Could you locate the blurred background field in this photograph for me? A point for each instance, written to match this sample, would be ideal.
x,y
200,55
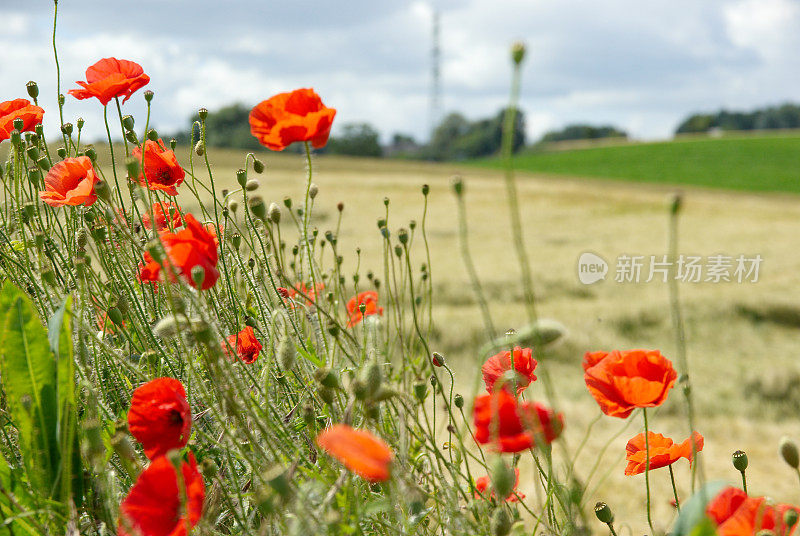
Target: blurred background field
x,y
742,337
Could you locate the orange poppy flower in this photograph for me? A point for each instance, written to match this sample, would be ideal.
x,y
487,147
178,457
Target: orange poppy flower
x,y
187,248
358,450
161,169
18,108
70,182
590,359
482,484
301,289
160,417
370,300
289,117
246,345
154,507
624,381
497,365
109,78
513,426
736,514
663,451
165,215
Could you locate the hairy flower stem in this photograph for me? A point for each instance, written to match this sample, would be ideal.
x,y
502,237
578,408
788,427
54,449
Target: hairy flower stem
x,y
647,469
674,489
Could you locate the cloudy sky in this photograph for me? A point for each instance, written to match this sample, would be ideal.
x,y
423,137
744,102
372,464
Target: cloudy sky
x,y
639,65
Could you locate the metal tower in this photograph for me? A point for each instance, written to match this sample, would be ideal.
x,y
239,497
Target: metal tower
x,y
435,96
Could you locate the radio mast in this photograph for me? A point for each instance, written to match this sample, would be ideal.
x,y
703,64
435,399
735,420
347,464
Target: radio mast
x,y
435,96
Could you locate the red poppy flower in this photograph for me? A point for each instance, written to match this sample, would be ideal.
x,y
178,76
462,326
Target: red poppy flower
x,y
358,450
624,381
246,344
187,248
482,484
153,506
161,169
663,451
18,108
514,426
165,215
160,417
497,365
294,294
370,300
70,182
109,78
590,359
737,514
289,117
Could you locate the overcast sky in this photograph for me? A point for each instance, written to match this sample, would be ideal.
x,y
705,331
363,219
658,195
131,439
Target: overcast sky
x,y
642,66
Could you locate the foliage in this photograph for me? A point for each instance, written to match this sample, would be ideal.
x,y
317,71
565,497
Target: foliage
x,y
583,132
770,118
355,139
457,138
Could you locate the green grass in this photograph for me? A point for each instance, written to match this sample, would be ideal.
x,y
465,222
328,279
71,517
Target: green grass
x,y
765,163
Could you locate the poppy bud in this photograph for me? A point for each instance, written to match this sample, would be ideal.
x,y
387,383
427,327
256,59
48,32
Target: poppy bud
x,y
327,378
420,391
333,329
33,89
437,359
501,522
788,450
173,143
132,165
256,205
287,202
287,354
32,152
241,177
167,328
258,166
208,467
49,277
80,122
458,400
236,240
66,128
148,95
115,316
373,377
790,519
123,447
252,185
458,185
740,460
398,251
308,414
16,137
128,122
152,135
198,276
327,395
604,513
518,52
503,478
274,213
103,191
91,153
200,148
313,190
359,389
425,189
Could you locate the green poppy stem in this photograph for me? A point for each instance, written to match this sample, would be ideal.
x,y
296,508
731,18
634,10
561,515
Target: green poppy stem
x,y
647,469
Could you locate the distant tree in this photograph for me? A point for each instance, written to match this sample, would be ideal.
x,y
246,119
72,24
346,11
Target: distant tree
x,y
457,138
784,116
226,127
402,146
355,139
583,132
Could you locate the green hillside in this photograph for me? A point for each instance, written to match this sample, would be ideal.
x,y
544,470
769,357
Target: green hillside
x,y
757,163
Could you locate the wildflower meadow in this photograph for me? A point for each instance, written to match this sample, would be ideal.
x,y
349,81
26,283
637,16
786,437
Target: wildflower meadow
x,y
239,369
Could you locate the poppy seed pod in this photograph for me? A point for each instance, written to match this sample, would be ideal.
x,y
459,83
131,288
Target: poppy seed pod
x,y
790,519
91,153
425,189
61,152
313,190
148,96
32,152
740,460
80,122
252,185
19,124
402,236
66,128
256,206
604,513
287,202
258,166
198,276
458,185
274,213
788,451
16,138
33,89
202,113
458,400
173,143
233,205
241,177
503,477
152,134
128,122
518,52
